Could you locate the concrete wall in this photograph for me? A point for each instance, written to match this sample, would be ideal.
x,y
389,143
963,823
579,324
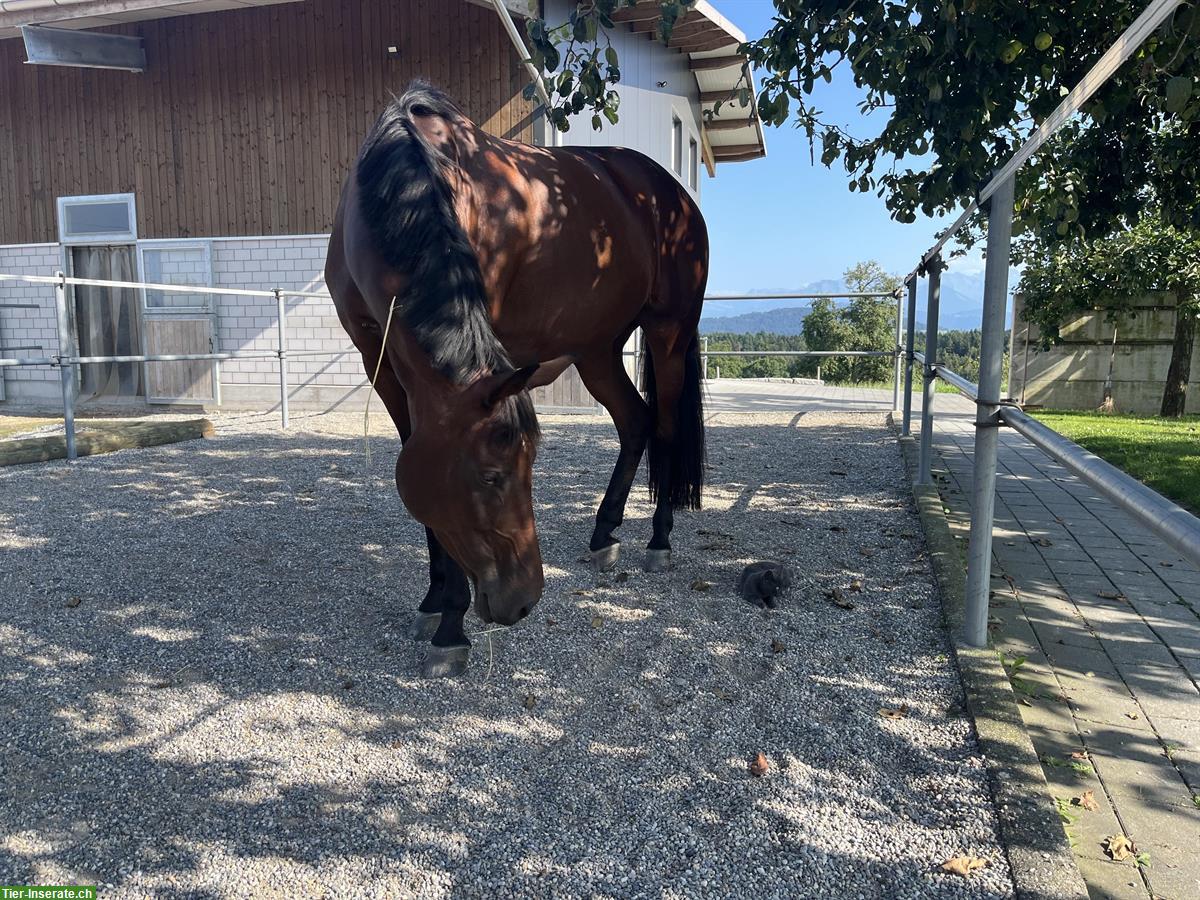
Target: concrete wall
x,y
1071,375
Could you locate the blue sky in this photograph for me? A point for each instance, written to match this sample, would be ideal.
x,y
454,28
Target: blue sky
x,y
784,221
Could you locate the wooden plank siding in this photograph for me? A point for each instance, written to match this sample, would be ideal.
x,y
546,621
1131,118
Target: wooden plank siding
x,y
246,122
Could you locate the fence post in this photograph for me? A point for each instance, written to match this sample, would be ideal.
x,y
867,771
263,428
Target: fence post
x,y
66,347
906,427
281,313
934,270
704,358
898,350
987,421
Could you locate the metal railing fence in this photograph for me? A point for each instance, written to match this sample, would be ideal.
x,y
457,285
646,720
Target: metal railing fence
x,y
1166,519
68,361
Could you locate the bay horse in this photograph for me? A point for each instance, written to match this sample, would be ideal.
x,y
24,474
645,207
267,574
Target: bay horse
x,y
467,269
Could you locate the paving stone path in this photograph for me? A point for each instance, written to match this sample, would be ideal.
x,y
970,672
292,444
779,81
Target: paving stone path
x,y
1099,621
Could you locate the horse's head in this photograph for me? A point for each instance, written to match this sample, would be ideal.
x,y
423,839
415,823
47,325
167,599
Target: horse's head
x,y
467,473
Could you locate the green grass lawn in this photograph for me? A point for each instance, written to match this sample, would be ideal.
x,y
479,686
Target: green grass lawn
x,y
1163,453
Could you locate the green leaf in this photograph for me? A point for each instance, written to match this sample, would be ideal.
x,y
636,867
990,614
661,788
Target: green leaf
x,y
1043,41
596,123
1179,91
610,55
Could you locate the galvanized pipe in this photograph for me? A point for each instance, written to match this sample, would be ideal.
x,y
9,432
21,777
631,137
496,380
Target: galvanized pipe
x,y
827,295
799,353
928,363
1174,524
906,426
898,350
66,347
967,388
281,313
987,435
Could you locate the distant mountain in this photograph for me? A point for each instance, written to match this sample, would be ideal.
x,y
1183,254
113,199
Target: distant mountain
x,y
773,321
961,307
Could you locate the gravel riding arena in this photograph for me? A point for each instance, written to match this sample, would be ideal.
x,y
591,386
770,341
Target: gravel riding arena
x,y
206,689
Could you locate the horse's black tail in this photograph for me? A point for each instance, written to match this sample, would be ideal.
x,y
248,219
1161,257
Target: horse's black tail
x,y
677,465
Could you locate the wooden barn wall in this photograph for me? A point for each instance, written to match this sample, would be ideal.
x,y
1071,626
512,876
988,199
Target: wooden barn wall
x,y
245,122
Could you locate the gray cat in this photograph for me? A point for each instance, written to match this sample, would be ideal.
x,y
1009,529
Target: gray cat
x,y
761,582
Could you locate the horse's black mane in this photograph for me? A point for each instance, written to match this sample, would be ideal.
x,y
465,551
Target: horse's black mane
x,y
408,204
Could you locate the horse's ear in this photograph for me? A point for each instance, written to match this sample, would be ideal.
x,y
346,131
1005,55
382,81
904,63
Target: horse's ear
x,y
501,385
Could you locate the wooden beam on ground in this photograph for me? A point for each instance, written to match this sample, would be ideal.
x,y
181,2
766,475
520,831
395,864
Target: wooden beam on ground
x,y
103,437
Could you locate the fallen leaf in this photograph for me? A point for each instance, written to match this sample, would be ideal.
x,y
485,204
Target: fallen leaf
x,y
597,622
551,621
899,712
777,646
621,576
1079,754
1167,565
964,865
530,701
836,528
837,472
700,585
867,551
839,599
348,684
856,585
759,766
580,592
1087,800
1044,542
1132,716
1119,847
74,602
1110,595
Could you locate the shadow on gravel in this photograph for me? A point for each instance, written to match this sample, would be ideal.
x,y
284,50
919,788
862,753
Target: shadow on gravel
x,y
205,687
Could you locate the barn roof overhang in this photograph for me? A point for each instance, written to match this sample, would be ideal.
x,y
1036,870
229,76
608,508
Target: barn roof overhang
x,y
734,132
79,14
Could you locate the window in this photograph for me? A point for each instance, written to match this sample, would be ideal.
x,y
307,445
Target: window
x,y
179,263
677,145
99,219
693,164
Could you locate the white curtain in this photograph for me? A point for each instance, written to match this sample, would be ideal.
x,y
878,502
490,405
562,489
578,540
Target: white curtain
x,y
107,322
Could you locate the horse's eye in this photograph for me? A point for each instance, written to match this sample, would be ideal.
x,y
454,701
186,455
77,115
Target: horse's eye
x,y
491,478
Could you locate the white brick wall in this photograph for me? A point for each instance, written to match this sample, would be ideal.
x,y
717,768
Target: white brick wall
x,y
23,327
248,323
243,323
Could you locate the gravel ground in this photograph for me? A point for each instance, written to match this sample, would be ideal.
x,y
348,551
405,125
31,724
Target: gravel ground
x,y
206,690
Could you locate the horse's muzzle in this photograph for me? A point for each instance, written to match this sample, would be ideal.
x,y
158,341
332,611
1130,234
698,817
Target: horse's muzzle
x,y
494,603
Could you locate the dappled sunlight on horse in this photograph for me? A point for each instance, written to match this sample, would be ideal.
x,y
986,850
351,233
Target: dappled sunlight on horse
x,y
467,268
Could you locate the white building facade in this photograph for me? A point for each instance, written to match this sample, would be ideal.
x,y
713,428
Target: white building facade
x,y
661,114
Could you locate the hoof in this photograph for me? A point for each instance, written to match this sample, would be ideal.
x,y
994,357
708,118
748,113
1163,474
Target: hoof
x,y
445,662
424,625
606,558
657,561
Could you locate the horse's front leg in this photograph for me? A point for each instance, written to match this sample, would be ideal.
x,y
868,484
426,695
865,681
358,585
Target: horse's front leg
x,y
440,615
609,383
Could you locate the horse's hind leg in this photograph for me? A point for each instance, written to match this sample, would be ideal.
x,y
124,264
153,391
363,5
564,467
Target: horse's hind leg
x,y
605,377
677,440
